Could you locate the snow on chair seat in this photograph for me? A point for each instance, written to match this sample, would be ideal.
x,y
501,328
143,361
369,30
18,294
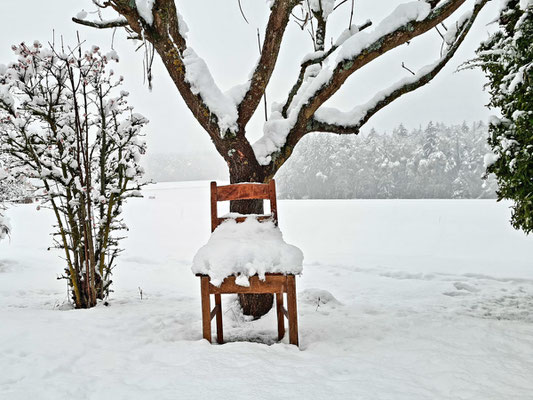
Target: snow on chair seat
x,y
244,250
247,254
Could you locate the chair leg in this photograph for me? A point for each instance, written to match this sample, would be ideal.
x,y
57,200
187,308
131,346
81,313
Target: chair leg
x,y
281,317
292,310
218,303
206,308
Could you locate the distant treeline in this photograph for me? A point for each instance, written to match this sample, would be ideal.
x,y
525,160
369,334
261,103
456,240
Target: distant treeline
x,y
438,161
172,167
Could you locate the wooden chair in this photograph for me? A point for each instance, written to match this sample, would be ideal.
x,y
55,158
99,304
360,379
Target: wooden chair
x,y
277,284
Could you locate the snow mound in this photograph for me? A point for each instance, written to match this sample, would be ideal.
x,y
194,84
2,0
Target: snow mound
x,y
318,297
246,249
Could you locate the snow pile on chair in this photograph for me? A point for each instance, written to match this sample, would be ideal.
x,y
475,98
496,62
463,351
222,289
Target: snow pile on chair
x,y
246,249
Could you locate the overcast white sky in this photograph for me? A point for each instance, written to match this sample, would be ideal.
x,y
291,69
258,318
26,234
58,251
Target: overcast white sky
x,y
219,34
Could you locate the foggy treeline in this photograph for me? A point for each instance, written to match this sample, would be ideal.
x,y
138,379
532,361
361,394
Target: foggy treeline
x,y
170,167
435,161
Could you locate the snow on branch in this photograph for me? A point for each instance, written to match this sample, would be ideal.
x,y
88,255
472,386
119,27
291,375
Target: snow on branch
x,y
333,120
317,57
201,81
112,23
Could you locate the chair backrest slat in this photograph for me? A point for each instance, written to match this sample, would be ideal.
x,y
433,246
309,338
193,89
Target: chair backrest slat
x,y
243,191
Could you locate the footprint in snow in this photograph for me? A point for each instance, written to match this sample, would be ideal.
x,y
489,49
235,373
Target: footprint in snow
x,y
456,294
465,286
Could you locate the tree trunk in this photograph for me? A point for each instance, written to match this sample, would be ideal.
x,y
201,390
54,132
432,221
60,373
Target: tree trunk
x,y
255,305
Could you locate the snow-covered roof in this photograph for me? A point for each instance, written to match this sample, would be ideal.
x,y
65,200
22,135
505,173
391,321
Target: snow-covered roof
x,y
246,249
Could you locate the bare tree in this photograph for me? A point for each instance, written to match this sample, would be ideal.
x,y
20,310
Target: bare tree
x,y
225,117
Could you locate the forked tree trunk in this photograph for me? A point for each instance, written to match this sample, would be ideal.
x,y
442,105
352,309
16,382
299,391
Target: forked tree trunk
x,y
255,305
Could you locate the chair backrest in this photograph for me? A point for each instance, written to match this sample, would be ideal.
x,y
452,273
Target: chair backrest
x,y
243,191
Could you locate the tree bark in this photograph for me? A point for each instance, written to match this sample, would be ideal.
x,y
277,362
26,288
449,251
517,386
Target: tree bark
x,y
255,305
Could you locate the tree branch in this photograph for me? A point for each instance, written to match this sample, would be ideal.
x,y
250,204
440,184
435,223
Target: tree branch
x,y
117,23
320,57
277,24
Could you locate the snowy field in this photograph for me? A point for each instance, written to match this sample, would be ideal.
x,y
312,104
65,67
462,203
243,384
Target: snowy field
x,y
399,299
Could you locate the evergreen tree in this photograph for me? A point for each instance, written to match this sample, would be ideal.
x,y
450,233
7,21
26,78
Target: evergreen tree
x,y
400,131
507,59
430,143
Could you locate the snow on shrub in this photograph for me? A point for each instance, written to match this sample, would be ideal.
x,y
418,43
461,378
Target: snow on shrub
x,y
67,125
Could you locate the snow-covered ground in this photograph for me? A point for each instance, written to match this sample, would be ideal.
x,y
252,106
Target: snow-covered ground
x,y
399,299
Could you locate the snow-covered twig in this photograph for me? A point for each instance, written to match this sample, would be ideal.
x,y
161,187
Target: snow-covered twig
x,y
113,23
